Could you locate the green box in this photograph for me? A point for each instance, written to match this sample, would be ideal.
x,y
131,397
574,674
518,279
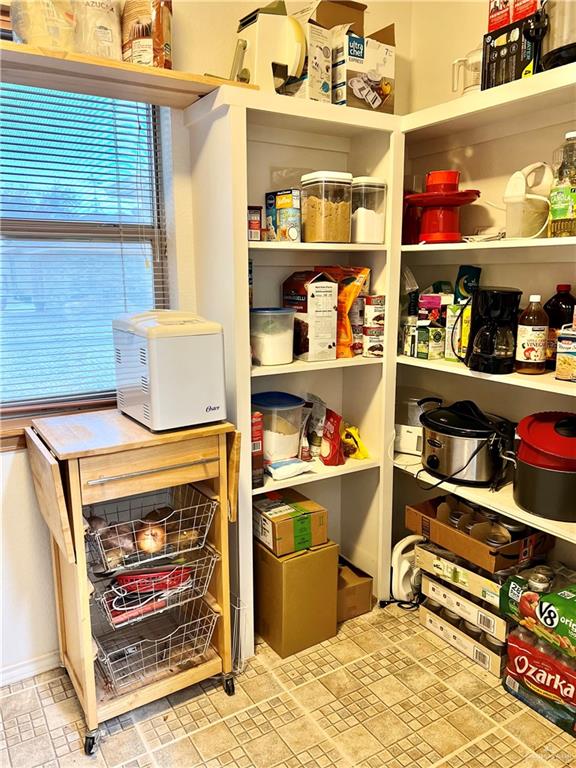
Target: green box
x,y
430,343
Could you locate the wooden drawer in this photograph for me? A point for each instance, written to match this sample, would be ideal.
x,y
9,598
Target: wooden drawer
x,y
128,473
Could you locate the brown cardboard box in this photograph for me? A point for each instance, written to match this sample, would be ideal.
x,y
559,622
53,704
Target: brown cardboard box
x,y
429,558
490,661
429,519
287,521
331,14
354,591
295,597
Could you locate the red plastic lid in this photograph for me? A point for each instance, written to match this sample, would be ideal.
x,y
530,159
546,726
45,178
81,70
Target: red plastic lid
x,y
443,199
563,288
552,433
445,178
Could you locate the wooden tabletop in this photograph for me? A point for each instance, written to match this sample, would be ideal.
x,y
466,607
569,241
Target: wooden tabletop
x,y
97,432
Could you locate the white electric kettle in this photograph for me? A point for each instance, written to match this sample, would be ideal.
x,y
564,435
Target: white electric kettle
x,y
471,66
526,198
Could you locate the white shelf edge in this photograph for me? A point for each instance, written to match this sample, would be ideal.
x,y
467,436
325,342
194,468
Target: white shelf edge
x,y
301,366
319,473
504,244
502,501
543,383
264,245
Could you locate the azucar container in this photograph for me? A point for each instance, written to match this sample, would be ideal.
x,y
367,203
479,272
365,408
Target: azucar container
x,y
368,209
282,416
272,335
326,207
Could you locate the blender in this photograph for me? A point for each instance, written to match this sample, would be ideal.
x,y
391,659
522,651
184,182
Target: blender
x,y
493,326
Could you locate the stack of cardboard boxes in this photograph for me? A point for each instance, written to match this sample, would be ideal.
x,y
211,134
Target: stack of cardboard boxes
x,y
301,591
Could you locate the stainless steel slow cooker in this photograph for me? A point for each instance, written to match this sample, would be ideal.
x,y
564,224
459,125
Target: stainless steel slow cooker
x,y
464,444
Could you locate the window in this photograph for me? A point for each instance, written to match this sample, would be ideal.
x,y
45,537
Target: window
x,y
83,239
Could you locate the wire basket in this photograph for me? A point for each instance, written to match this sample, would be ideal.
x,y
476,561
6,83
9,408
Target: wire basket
x,y
137,594
130,532
172,641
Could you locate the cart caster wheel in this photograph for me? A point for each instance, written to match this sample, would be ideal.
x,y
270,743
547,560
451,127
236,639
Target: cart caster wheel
x,y
91,742
228,684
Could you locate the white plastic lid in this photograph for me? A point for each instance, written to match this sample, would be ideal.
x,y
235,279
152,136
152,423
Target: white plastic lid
x,y
371,181
343,178
165,322
535,297
570,135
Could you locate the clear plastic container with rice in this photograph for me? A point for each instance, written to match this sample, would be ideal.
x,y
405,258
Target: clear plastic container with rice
x,y
368,209
272,335
282,416
326,207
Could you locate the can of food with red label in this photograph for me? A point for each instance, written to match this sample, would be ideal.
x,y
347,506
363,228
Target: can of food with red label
x,y
254,223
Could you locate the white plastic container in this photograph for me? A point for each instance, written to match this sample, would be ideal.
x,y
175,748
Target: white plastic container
x,y
272,335
326,203
368,209
282,416
169,369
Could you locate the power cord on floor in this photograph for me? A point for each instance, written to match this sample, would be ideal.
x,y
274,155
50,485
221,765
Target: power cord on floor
x,y
406,605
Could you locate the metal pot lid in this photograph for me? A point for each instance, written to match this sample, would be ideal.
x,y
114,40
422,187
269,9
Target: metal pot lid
x,y
551,432
461,419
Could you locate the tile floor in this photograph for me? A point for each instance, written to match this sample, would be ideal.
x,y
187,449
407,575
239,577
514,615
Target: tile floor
x,y
384,692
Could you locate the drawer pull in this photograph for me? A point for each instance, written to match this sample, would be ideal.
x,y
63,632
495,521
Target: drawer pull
x,y
127,475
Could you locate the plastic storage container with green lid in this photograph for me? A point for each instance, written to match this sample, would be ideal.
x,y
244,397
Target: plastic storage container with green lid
x,y
326,207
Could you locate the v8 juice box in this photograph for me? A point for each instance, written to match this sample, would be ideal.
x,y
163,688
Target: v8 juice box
x,y
541,678
551,616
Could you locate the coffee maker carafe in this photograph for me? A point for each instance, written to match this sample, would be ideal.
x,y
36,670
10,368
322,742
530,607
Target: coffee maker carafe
x,y
493,325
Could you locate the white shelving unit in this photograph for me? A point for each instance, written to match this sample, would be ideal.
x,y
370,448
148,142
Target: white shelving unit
x,y
318,472
300,366
335,248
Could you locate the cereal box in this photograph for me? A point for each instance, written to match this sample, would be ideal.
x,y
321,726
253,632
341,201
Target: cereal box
x,y
283,219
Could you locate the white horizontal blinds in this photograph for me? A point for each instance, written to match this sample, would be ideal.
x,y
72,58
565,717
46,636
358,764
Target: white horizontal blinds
x,y
83,238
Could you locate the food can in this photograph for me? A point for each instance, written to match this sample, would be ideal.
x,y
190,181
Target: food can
x,y
451,617
539,582
433,606
471,630
493,644
496,540
566,354
254,223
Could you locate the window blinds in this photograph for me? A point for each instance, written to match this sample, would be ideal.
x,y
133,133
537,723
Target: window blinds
x,y
83,239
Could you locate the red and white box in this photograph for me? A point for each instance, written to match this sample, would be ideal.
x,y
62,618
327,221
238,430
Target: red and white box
x,y
257,450
523,8
499,14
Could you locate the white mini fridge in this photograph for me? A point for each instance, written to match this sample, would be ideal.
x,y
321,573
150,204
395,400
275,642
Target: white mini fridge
x,y
169,369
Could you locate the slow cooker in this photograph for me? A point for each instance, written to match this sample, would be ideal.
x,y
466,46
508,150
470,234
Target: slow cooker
x,y
545,474
462,443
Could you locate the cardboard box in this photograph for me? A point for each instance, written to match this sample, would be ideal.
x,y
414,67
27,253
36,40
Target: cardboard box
x,y
296,597
363,69
453,332
476,614
430,559
373,329
430,343
499,14
315,82
430,519
551,616
283,215
523,8
507,55
481,655
331,14
257,450
287,521
314,296
354,591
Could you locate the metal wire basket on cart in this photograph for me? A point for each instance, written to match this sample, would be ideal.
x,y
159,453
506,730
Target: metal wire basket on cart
x,y
138,654
138,529
139,593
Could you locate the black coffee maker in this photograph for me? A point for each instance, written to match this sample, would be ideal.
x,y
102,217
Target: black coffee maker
x,y
493,325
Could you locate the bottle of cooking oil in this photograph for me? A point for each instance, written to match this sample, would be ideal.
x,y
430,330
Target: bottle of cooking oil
x,y
562,221
532,338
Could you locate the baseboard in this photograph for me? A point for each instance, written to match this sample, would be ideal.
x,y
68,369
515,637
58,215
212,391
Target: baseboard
x,y
17,672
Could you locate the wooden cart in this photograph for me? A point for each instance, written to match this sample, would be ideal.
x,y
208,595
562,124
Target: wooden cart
x,y
88,459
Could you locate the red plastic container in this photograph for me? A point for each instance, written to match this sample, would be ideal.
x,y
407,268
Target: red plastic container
x,y
442,181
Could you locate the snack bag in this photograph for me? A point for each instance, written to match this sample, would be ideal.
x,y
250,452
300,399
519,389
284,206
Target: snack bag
x,y
315,424
353,446
351,281
331,450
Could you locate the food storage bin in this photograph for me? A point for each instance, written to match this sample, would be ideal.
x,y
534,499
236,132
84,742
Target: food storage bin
x,y
272,335
282,415
326,205
368,209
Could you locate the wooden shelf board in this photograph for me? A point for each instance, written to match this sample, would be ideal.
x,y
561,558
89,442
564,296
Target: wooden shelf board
x,y
502,501
318,472
335,247
301,366
62,71
544,92
543,383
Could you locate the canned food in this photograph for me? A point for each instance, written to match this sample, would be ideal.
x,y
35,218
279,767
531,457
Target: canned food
x,y
539,582
471,630
496,540
515,529
451,617
432,605
469,525
493,644
490,515
454,517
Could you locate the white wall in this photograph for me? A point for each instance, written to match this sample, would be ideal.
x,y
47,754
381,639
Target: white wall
x,y
29,636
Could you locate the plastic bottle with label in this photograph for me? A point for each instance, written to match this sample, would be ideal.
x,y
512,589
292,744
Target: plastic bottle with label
x,y
532,338
562,221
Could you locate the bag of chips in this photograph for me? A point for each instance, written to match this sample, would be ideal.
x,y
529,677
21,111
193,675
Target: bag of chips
x,y
351,282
